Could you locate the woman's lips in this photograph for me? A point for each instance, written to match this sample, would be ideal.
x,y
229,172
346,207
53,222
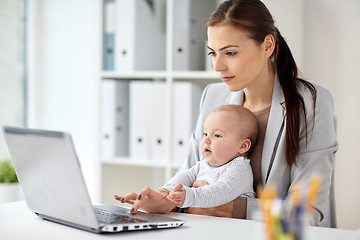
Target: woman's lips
x,y
227,79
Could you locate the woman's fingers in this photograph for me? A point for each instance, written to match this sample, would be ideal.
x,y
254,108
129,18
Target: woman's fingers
x,y
129,198
146,192
148,200
141,199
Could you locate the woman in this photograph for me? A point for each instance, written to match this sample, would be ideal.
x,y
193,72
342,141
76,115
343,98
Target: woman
x,y
297,136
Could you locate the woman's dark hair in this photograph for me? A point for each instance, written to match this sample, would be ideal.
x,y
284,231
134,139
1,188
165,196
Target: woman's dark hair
x,y
253,17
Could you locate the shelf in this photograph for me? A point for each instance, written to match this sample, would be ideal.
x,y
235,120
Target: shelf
x,y
161,74
134,75
131,162
195,75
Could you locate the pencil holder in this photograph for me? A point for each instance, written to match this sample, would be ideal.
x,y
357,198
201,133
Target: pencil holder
x,y
289,219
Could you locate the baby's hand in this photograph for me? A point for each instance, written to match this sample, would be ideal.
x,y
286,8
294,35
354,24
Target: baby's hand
x,y
177,196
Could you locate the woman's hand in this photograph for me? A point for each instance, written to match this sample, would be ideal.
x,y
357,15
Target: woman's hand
x,y
220,211
225,210
148,200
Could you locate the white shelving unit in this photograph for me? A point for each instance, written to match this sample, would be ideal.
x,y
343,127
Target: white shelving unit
x,y
121,175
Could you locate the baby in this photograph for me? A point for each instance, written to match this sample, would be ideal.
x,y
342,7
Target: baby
x,y
230,133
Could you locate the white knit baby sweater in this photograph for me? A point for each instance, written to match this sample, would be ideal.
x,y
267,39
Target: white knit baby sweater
x,y
226,183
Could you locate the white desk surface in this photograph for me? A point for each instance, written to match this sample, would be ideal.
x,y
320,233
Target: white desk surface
x,y
18,222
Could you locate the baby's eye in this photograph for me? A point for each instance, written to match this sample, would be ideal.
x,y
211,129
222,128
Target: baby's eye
x,y
217,135
231,53
204,134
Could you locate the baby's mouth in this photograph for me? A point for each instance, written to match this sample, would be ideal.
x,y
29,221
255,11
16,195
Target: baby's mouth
x,y
207,150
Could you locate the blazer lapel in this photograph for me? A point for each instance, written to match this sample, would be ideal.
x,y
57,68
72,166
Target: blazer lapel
x,y
275,128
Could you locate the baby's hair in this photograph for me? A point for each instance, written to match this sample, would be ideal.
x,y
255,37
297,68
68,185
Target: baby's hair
x,y
247,120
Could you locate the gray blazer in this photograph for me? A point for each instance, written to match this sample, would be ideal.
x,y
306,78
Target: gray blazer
x,y
316,153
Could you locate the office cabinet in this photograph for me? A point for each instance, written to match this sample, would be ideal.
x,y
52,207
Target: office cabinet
x,y
158,48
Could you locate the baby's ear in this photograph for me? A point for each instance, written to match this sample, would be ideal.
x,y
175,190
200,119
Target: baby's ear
x,y
245,146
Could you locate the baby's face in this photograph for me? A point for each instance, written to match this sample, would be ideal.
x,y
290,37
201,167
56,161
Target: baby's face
x,y
221,142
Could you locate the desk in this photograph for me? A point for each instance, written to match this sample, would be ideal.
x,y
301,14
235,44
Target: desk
x,y
18,222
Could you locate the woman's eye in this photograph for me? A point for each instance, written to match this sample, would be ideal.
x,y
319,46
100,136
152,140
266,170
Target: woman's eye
x,y
231,53
211,53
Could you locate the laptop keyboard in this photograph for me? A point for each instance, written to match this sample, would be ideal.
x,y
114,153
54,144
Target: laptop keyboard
x,y
108,217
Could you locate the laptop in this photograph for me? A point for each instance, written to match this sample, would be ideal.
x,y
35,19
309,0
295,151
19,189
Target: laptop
x,y
54,188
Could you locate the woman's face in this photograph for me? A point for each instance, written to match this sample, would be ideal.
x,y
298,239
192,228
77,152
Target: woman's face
x,y
239,60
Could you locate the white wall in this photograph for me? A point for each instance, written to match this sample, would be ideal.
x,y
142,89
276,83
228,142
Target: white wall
x,y
11,66
64,66
289,19
332,51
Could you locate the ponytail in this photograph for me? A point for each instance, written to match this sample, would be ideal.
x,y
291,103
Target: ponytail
x,y
294,102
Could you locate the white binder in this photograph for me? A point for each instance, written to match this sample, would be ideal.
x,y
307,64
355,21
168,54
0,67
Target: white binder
x,y
140,123
186,100
139,38
109,35
159,143
124,35
190,18
115,122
